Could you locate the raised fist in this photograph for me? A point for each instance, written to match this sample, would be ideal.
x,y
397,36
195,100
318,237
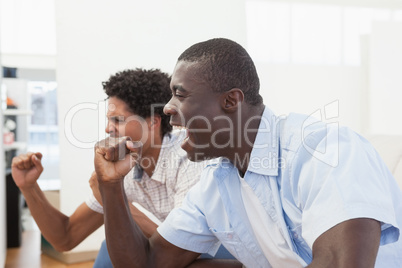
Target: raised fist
x,y
26,169
115,157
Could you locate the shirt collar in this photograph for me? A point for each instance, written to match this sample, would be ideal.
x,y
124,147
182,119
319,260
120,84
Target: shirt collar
x,y
265,152
138,173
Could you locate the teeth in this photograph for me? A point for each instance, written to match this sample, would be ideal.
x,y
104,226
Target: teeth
x,y
186,138
179,127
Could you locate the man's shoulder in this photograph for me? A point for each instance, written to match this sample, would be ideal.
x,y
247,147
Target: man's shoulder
x,y
298,129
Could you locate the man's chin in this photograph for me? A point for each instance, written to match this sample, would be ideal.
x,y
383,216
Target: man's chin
x,y
198,156
193,157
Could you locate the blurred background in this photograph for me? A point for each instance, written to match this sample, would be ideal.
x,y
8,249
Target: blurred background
x,y
335,59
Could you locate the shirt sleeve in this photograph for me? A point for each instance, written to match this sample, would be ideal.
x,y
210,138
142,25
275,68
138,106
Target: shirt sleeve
x,y
342,177
187,228
93,204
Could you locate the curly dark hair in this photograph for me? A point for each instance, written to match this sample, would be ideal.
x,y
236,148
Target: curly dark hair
x,y
144,91
226,65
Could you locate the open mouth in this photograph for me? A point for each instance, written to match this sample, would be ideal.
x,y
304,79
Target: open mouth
x,y
186,134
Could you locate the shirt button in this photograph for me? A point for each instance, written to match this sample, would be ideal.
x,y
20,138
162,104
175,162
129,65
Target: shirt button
x,y
229,236
295,235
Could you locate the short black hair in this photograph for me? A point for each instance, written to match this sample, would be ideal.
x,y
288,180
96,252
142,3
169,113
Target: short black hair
x,y
225,65
142,91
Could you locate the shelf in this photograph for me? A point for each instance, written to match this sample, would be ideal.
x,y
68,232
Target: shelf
x,y
17,112
15,146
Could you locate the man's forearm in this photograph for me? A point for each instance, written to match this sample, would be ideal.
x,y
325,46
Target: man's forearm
x,y
147,226
127,245
51,222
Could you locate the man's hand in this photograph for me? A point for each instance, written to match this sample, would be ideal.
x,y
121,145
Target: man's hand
x,y
115,157
26,169
93,183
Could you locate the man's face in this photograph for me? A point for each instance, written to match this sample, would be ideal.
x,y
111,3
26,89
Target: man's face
x,y
197,108
122,122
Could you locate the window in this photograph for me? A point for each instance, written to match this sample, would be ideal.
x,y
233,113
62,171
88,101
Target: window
x,y
43,130
301,33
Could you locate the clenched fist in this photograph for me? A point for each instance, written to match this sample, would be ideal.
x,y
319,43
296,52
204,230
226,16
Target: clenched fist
x,y
26,169
115,157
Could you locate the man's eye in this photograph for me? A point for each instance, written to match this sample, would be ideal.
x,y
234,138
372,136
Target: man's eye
x,y
179,94
117,120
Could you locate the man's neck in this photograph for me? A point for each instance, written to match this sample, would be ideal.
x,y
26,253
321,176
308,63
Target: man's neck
x,y
241,156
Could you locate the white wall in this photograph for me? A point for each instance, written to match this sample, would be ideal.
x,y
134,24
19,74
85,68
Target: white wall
x,y
97,38
3,227
3,236
385,78
312,90
28,34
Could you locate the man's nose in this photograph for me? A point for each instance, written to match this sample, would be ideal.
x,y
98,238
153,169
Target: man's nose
x,y
109,128
170,109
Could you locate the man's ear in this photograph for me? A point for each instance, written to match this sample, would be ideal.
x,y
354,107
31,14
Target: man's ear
x,y
154,122
232,99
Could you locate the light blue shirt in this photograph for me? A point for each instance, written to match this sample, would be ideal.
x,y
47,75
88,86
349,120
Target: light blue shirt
x,y
309,176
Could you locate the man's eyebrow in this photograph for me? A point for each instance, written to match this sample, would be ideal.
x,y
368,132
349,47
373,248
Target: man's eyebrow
x,y
116,117
179,88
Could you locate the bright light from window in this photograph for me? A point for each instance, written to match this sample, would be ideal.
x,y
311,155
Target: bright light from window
x,y
356,22
269,31
28,27
300,33
397,15
381,14
316,34
43,128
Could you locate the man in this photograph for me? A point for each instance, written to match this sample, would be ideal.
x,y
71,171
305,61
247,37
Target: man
x,y
159,183
283,192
